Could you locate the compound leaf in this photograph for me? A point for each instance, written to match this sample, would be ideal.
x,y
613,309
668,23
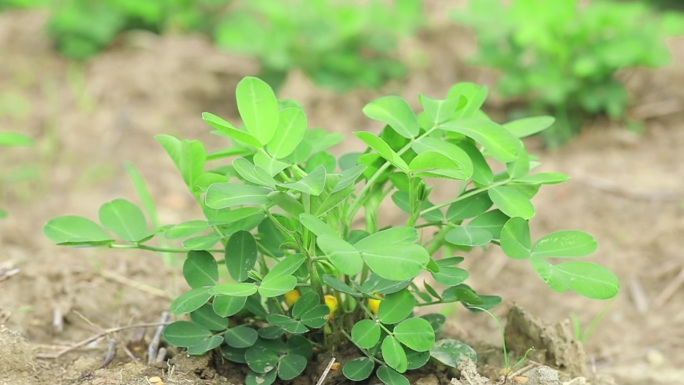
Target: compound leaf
x,y
396,307
190,301
366,333
384,149
416,333
241,337
290,132
564,244
511,202
200,269
291,366
224,195
393,354
358,369
450,352
389,376
125,219
515,239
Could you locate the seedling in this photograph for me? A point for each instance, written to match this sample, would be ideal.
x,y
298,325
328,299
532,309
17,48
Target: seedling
x,y
280,214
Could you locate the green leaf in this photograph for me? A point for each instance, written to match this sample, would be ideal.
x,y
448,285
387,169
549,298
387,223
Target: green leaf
x,y
438,111
450,352
358,369
205,345
366,333
482,173
416,360
544,178
436,320
280,279
462,293
203,242
317,226
299,345
286,202
474,94
290,132
254,378
268,163
76,230
395,112
190,301
469,207
189,156
207,317
228,129
389,376
397,234
382,148
345,257
124,219
450,150
317,317
450,276
306,302
291,366
186,229
240,255
511,201
226,217
226,306
244,289
349,177
260,359
515,239
253,174
529,126
324,159
258,108
432,164
590,280
395,262
271,332
492,221
200,269
521,166
498,142
241,337
393,354
416,333
585,278
312,184
468,236
286,323
233,355
396,307
338,285
184,333
224,195
14,139
564,244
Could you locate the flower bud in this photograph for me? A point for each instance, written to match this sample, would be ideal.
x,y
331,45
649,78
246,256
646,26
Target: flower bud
x,y
292,296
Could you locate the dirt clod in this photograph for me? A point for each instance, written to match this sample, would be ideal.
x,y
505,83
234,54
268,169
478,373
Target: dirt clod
x,y
542,375
553,344
16,359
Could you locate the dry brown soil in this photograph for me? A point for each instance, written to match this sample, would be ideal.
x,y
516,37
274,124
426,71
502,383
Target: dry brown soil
x,y
627,191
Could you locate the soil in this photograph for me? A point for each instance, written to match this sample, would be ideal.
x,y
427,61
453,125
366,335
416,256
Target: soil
x,y
88,120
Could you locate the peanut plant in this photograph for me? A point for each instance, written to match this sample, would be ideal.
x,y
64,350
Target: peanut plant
x,y
278,269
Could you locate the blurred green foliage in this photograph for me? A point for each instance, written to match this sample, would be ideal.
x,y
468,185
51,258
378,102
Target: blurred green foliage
x,y
338,44
561,58
82,28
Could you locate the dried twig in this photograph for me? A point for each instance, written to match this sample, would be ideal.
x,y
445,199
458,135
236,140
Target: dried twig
x,y
671,288
93,338
614,188
57,318
111,354
638,295
134,284
326,371
152,349
161,355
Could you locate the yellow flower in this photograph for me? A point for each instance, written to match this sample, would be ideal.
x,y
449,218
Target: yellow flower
x,y
374,304
331,301
291,297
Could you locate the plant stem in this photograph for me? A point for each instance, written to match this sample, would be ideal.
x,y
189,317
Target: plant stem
x,y
159,249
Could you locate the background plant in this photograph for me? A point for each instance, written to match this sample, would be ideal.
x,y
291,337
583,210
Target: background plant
x,y
82,28
562,59
12,139
296,275
338,44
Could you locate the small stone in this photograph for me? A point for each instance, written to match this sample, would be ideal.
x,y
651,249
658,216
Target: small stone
x,y
428,380
655,358
542,375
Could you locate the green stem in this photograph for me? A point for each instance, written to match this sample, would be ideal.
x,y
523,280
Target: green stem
x,y
159,249
464,196
356,206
